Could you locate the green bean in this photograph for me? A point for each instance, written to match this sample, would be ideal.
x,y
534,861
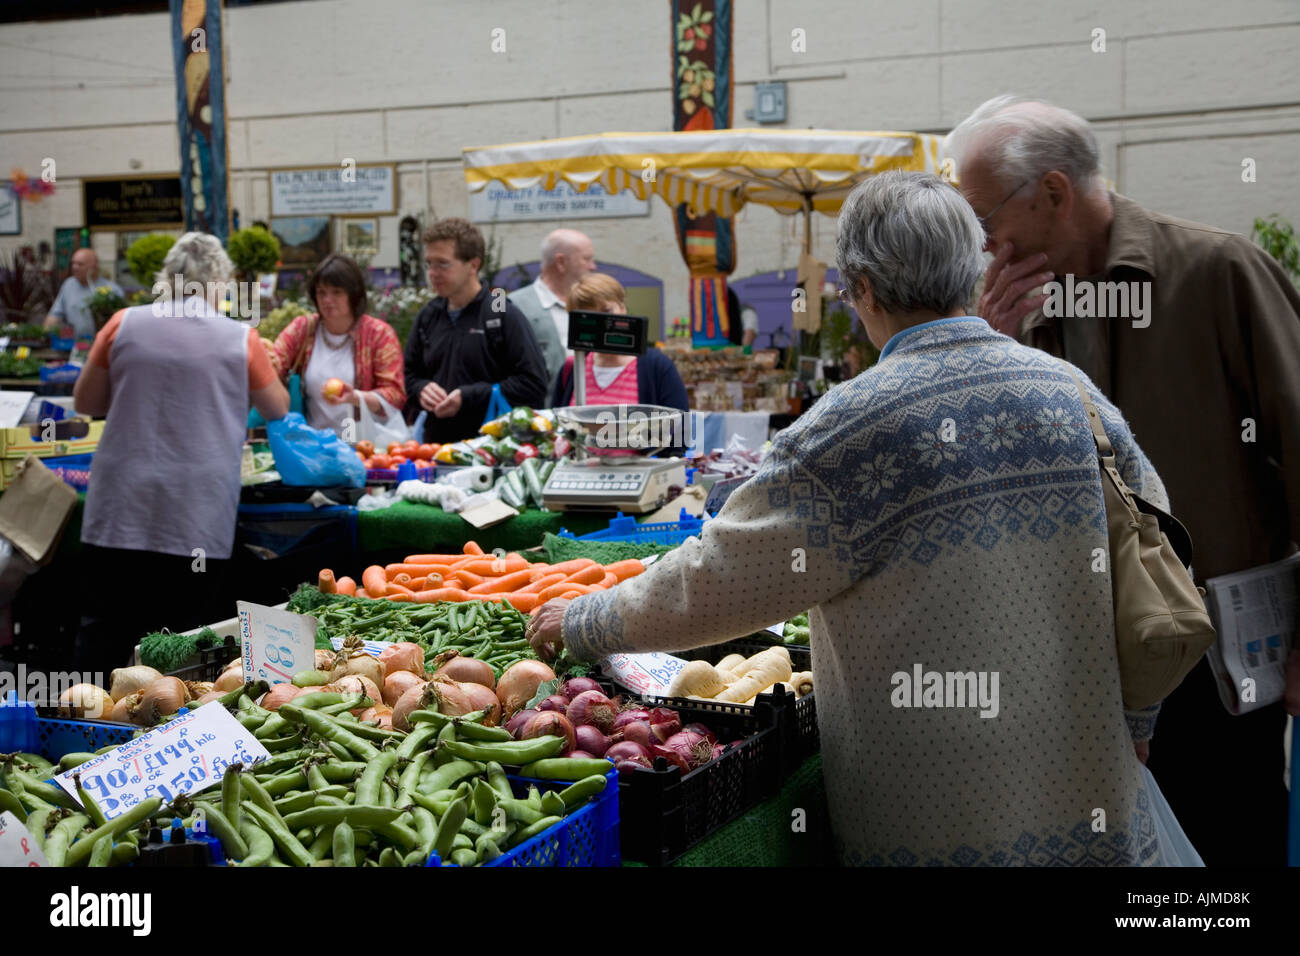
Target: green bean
x,y
528,832
230,793
513,753
73,760
11,803
390,857
579,793
261,848
321,846
411,778
496,778
343,847
329,729
257,793
56,848
567,768
368,785
141,811
484,802
124,852
448,774
473,731
464,857
416,741
279,832
225,830
449,826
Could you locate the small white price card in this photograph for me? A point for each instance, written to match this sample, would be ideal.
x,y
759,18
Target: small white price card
x,y
189,754
778,629
373,648
644,673
17,846
277,643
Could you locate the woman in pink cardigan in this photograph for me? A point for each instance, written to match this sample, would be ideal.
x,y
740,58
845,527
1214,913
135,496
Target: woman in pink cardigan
x,y
342,342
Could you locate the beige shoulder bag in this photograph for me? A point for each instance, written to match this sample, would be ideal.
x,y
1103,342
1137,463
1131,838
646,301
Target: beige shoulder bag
x,y
1161,625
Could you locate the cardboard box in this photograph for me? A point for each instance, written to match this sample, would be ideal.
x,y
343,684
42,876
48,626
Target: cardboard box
x,y
72,436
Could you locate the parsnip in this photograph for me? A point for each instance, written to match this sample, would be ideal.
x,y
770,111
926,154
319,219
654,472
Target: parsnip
x,y
770,690
697,678
802,683
727,667
767,668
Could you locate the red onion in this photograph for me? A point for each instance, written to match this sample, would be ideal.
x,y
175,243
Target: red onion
x,y
673,757
694,749
634,713
581,755
717,750
630,764
591,740
555,702
702,731
578,685
550,724
640,732
664,722
519,721
593,707
627,750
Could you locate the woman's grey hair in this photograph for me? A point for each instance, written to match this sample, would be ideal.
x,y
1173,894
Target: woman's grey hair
x,y
1022,139
914,238
196,257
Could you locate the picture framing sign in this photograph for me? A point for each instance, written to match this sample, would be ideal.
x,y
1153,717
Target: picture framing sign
x,y
369,190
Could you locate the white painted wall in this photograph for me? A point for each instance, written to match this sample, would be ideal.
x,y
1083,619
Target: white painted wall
x,y
1184,91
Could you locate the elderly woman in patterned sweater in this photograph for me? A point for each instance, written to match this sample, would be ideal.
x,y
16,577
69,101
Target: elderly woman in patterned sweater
x,y
341,342
939,514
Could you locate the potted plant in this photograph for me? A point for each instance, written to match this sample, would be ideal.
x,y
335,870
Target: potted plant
x,y
253,251
145,256
103,304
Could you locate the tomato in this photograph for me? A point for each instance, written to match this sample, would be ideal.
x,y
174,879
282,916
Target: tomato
x,y
424,453
379,461
397,460
394,448
367,463
365,448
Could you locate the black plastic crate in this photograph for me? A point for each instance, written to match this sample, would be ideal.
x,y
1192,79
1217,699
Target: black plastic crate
x,y
664,813
212,661
801,733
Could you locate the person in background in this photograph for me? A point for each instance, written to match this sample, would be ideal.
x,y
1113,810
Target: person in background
x,y
913,560
69,306
466,340
743,326
175,385
567,256
1217,348
342,342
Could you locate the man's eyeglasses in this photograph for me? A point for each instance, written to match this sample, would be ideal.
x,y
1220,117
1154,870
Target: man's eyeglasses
x,y
440,265
988,217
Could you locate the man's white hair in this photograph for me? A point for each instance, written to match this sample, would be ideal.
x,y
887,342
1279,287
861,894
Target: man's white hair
x,y
560,241
196,257
1023,139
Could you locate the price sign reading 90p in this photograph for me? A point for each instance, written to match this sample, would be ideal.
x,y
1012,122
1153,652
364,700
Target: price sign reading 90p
x,y
187,755
277,644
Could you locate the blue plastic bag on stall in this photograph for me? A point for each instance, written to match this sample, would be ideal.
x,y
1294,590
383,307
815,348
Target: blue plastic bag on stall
x,y
497,405
255,419
314,457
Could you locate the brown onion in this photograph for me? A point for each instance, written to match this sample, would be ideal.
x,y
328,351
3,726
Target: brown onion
x,y
279,694
323,660
380,714
197,688
125,681
518,685
209,696
356,684
162,698
550,723
465,670
232,678
86,700
403,656
456,699
122,709
398,683
411,700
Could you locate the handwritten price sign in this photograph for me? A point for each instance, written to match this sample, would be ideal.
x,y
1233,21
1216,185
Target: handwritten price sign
x,y
373,648
185,756
17,846
649,674
277,644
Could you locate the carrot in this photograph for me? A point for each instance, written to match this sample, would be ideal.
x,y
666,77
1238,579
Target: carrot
x,y
471,547
570,595
401,598
495,567
415,570
467,578
561,589
522,602
325,582
572,567
503,584
591,574
362,593
539,571
417,584
442,594
611,579
432,558
625,569
375,580
541,584
347,586
402,578
394,590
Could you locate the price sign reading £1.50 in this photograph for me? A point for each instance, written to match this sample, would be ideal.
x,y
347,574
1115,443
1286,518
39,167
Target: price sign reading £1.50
x,y
277,644
189,754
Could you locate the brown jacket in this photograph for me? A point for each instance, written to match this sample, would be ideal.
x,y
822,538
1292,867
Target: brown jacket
x,y
1222,347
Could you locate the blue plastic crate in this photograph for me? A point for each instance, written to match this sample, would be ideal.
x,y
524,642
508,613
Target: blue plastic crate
x,y
21,729
72,469
587,837
62,344
625,528
60,374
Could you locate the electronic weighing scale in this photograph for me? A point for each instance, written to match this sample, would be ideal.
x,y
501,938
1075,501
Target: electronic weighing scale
x,y
597,480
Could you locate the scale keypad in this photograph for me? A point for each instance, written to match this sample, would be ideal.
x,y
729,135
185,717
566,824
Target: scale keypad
x,y
603,481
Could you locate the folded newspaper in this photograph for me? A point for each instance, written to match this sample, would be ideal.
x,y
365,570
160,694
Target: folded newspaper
x,y
1255,613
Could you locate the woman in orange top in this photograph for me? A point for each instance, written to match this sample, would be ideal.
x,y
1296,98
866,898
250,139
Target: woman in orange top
x,y
342,342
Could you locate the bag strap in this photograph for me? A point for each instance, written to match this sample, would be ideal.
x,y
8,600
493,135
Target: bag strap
x,y
1105,452
302,347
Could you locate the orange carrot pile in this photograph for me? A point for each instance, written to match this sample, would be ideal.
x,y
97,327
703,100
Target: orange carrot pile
x,y
475,576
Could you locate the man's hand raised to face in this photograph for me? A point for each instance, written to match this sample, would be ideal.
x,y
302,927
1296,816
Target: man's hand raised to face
x,y
1002,303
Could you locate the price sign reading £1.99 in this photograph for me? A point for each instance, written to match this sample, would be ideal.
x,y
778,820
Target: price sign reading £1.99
x,y
186,755
277,644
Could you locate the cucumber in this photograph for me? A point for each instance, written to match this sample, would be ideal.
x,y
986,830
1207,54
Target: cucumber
x,y
515,479
532,477
547,467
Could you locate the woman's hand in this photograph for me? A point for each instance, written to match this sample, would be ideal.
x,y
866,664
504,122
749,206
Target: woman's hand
x,y
349,396
546,629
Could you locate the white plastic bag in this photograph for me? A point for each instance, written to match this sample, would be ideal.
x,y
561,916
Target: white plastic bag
x,y
382,433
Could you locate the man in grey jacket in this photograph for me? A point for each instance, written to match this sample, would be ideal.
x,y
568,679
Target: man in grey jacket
x,y
567,256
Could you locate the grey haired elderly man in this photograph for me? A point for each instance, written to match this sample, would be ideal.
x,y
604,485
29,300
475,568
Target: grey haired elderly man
x,y
567,256
1194,333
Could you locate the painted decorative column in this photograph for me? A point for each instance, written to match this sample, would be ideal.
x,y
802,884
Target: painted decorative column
x,y
199,56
